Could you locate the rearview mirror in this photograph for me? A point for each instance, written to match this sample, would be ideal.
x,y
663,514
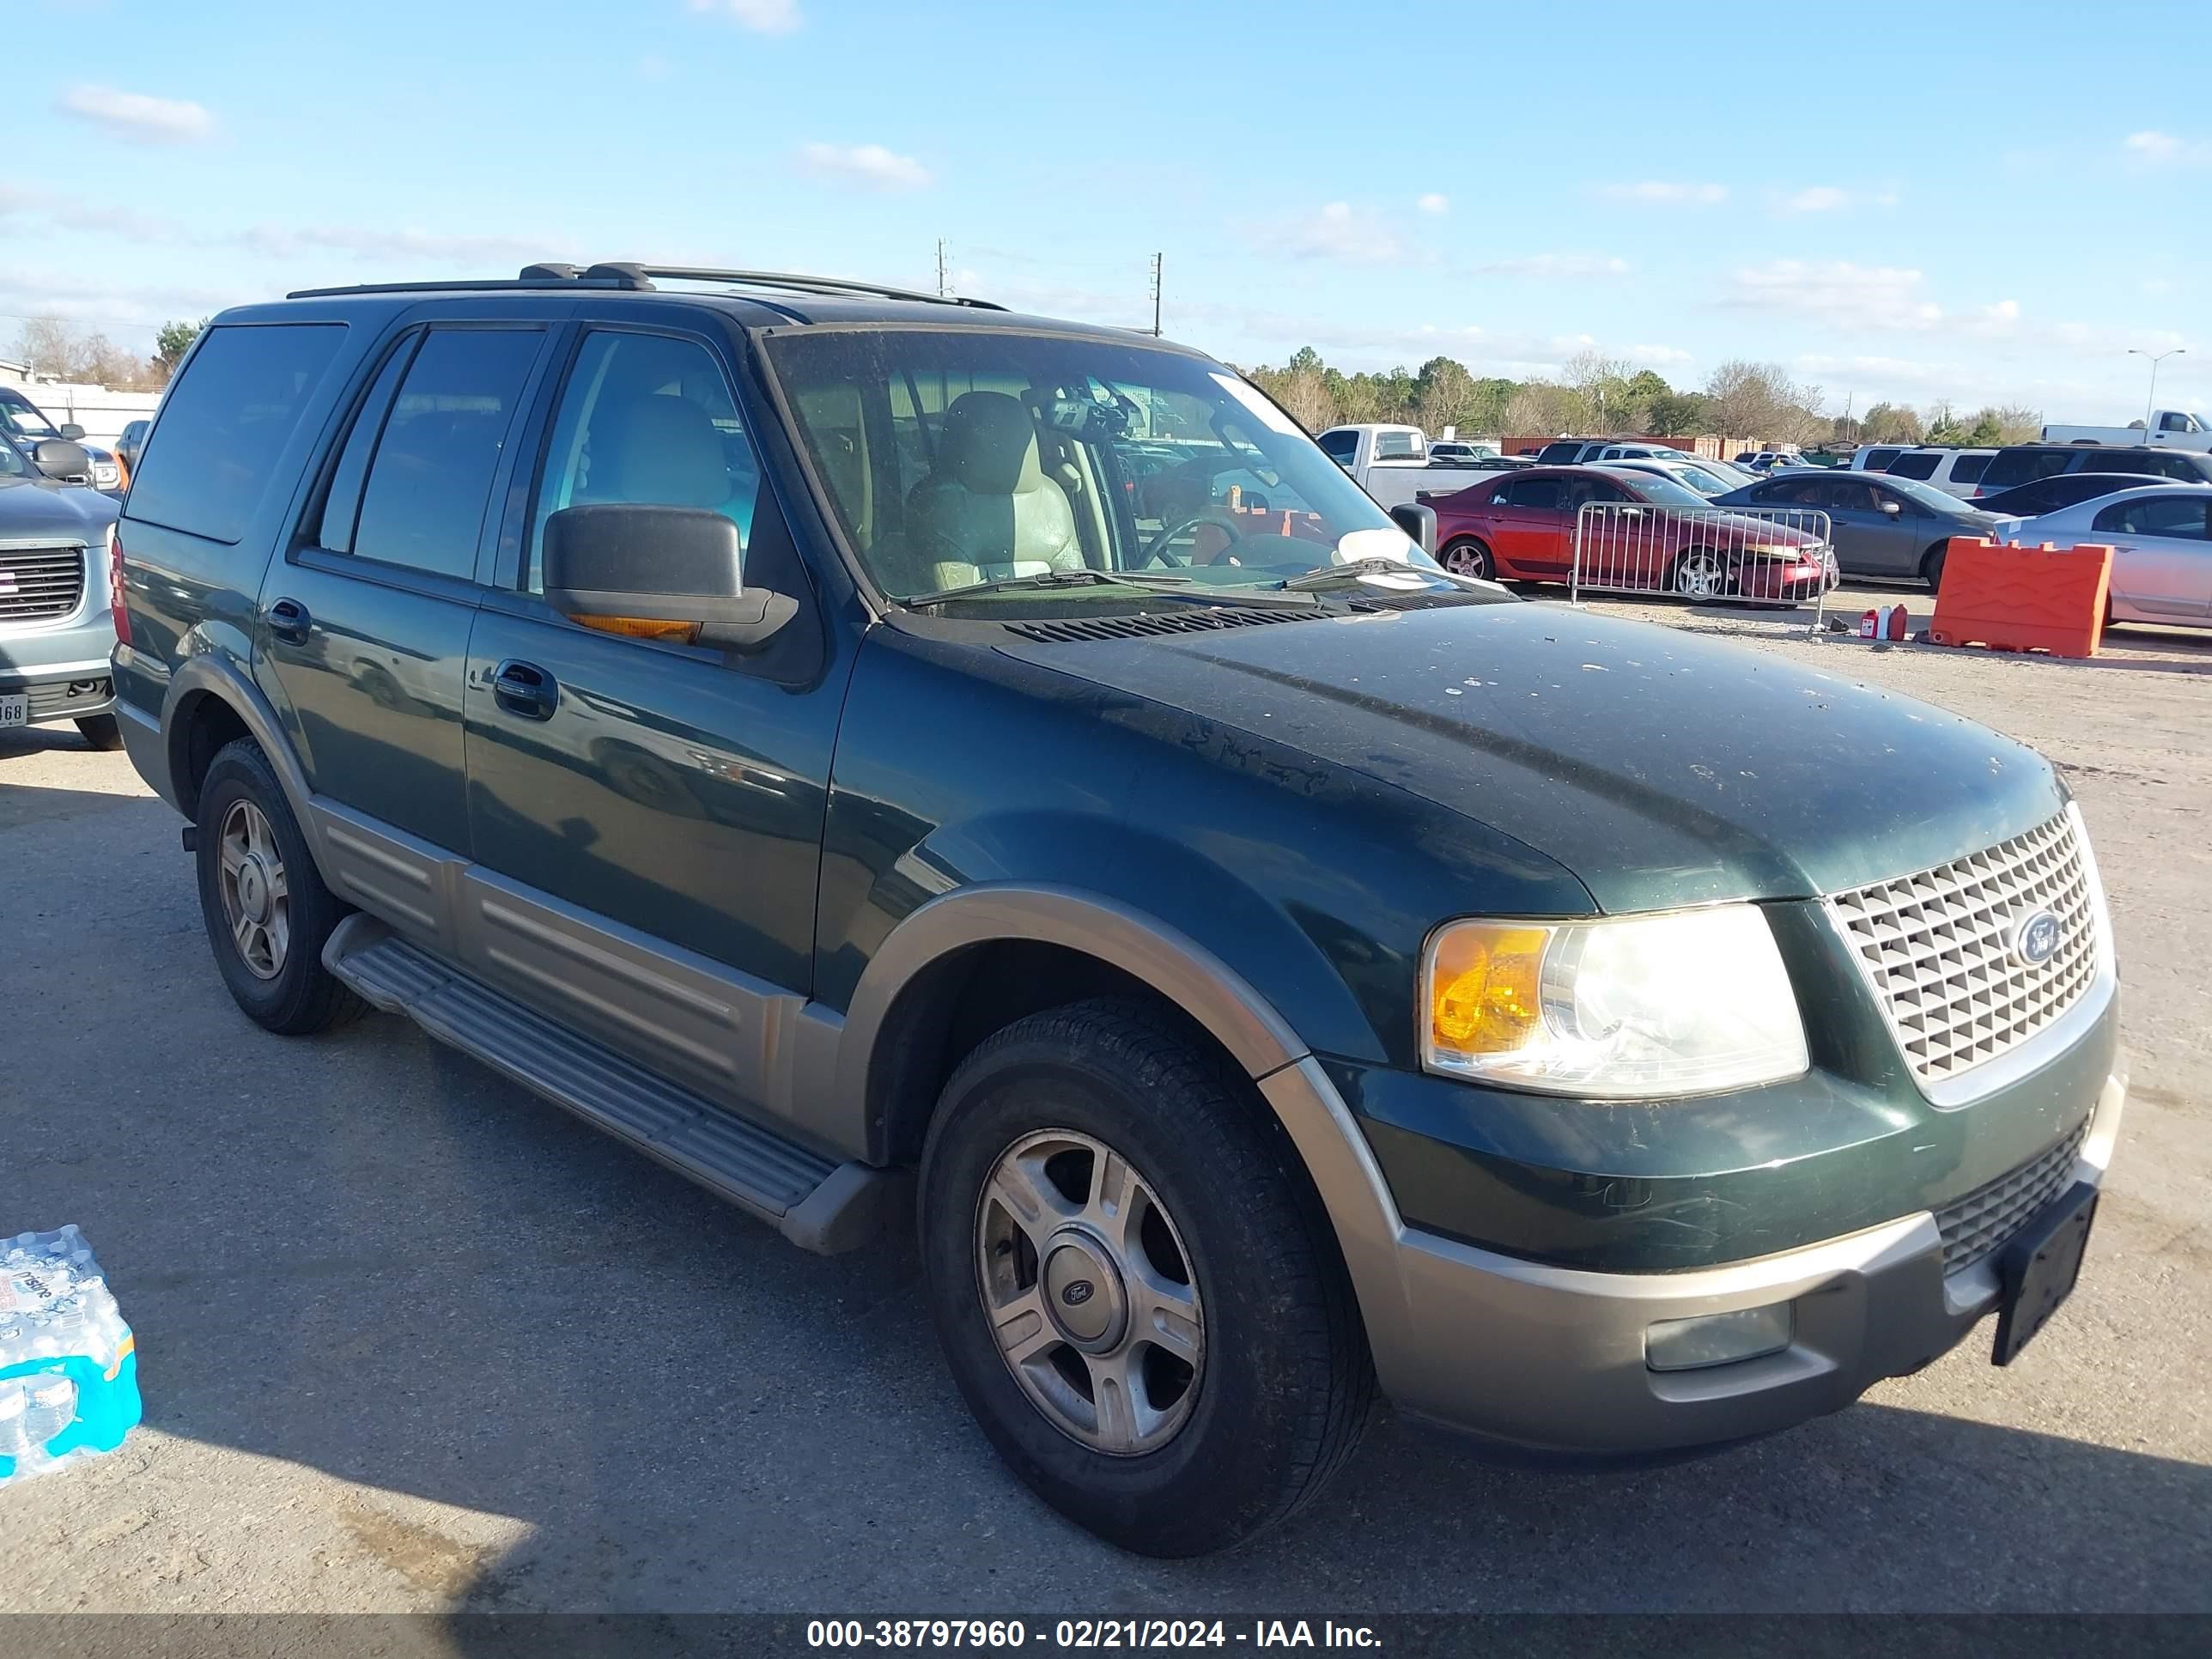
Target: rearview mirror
x,y
675,574
72,431
1418,522
57,458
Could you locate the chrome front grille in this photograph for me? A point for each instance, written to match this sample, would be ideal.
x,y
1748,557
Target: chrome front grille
x,y
1981,1223
1937,948
40,584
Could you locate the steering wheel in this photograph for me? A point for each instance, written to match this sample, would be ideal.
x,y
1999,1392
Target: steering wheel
x,y
1156,549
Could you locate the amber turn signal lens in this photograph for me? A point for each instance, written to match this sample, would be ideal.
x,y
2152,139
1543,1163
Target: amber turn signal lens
x,y
643,628
1483,986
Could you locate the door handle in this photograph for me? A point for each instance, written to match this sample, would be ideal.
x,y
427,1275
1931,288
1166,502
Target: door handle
x,y
288,621
525,689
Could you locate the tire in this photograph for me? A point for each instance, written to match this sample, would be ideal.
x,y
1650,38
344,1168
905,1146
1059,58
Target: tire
x,y
101,732
1931,567
1277,1388
274,967
1469,557
1700,575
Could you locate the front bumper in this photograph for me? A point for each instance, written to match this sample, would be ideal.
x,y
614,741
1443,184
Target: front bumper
x,y
1548,1358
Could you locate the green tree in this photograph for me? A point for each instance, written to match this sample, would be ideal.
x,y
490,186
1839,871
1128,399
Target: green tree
x,y
171,342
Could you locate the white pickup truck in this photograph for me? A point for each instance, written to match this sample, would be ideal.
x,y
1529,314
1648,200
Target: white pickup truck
x,y
2169,428
1390,463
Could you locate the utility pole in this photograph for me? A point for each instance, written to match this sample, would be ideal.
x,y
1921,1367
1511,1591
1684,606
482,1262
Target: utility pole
x,y
1156,296
2150,402
944,278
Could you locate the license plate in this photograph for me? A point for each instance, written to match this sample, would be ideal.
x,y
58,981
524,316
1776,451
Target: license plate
x,y
14,709
2039,1268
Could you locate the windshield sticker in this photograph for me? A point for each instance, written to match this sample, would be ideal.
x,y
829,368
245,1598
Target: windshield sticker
x,y
1265,412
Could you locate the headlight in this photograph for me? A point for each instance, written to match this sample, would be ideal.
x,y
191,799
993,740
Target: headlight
x,y
1684,1002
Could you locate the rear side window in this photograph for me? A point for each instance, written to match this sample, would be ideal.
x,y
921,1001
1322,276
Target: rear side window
x,y
1920,463
2181,516
1396,446
2130,460
1968,469
1556,455
1878,460
2009,467
226,422
424,504
1542,494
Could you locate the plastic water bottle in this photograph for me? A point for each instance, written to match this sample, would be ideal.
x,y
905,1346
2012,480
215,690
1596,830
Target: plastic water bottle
x,y
68,1366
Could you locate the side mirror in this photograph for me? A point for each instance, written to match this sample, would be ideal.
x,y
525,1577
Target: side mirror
x,y
59,457
1892,508
73,432
659,572
1418,522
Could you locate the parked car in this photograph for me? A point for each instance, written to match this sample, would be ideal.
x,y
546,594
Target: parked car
x,y
1522,528
2025,462
1882,524
1707,478
749,718
56,623
2029,500
1582,451
1876,457
1763,461
1954,471
2169,428
1459,452
129,443
23,419
2161,543
1393,464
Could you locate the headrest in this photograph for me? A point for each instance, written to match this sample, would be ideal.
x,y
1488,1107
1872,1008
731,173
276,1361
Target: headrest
x,y
990,444
666,452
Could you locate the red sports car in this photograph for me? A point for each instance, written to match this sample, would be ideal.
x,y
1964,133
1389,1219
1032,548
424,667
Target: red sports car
x,y
1648,534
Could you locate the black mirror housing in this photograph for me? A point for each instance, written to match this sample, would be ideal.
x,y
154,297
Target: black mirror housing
x,y
1418,522
59,457
642,563
73,432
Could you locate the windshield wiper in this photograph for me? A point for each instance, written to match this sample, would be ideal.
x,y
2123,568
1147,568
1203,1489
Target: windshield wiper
x,y
1324,575
1083,578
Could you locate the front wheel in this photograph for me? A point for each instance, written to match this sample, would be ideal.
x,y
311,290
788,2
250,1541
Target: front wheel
x,y
1467,557
1931,567
1136,1288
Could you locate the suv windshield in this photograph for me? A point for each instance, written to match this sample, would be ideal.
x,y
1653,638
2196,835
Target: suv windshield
x,y
953,457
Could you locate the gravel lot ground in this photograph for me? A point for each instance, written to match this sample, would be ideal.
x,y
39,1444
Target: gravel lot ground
x,y
412,1339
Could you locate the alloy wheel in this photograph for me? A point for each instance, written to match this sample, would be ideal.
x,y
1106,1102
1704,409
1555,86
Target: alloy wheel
x,y
256,895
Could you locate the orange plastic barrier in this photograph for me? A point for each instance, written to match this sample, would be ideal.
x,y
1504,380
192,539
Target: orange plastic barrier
x,y
2023,599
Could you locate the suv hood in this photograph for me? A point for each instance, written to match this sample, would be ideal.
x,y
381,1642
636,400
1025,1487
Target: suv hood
x,y
35,507
1661,768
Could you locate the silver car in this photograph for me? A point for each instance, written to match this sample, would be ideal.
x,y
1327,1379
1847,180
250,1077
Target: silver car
x,y
57,623
2161,543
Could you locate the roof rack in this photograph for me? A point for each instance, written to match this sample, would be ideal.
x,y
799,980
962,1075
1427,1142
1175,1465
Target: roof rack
x,y
629,276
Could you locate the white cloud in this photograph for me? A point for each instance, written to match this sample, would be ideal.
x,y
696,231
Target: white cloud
x,y
2165,149
762,16
1833,198
1558,265
1840,293
138,117
1338,231
867,164
1668,193
380,243
1433,202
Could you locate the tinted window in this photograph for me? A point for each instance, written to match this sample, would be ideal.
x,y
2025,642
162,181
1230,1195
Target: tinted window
x,y
1920,463
1559,453
1339,446
424,501
1968,469
1541,493
648,420
1878,460
341,501
224,423
2009,467
2180,516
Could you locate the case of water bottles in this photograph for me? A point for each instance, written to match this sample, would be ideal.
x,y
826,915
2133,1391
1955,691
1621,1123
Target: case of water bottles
x,y
68,1368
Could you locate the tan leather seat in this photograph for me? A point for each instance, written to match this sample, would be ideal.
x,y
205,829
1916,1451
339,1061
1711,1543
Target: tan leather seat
x,y
987,509
665,451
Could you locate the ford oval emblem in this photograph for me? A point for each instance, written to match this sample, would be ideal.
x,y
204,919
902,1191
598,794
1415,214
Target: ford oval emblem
x,y
2035,938
1077,1294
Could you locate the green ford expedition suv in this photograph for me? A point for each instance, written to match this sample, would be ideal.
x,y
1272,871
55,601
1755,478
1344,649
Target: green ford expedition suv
x,y
902,763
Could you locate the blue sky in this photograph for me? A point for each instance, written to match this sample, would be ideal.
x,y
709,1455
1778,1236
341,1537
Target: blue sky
x,y
1982,202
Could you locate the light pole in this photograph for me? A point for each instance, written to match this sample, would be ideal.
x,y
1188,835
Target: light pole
x,y
2155,360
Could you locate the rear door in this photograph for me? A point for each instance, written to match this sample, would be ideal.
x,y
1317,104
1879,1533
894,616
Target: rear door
x,y
364,624
650,812
2161,555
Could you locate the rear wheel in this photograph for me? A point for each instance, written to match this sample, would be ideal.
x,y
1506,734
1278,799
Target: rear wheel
x,y
266,909
100,731
1136,1288
1467,557
1701,573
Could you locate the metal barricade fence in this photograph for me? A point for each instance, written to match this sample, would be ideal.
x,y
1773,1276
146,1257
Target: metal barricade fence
x,y
1753,556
